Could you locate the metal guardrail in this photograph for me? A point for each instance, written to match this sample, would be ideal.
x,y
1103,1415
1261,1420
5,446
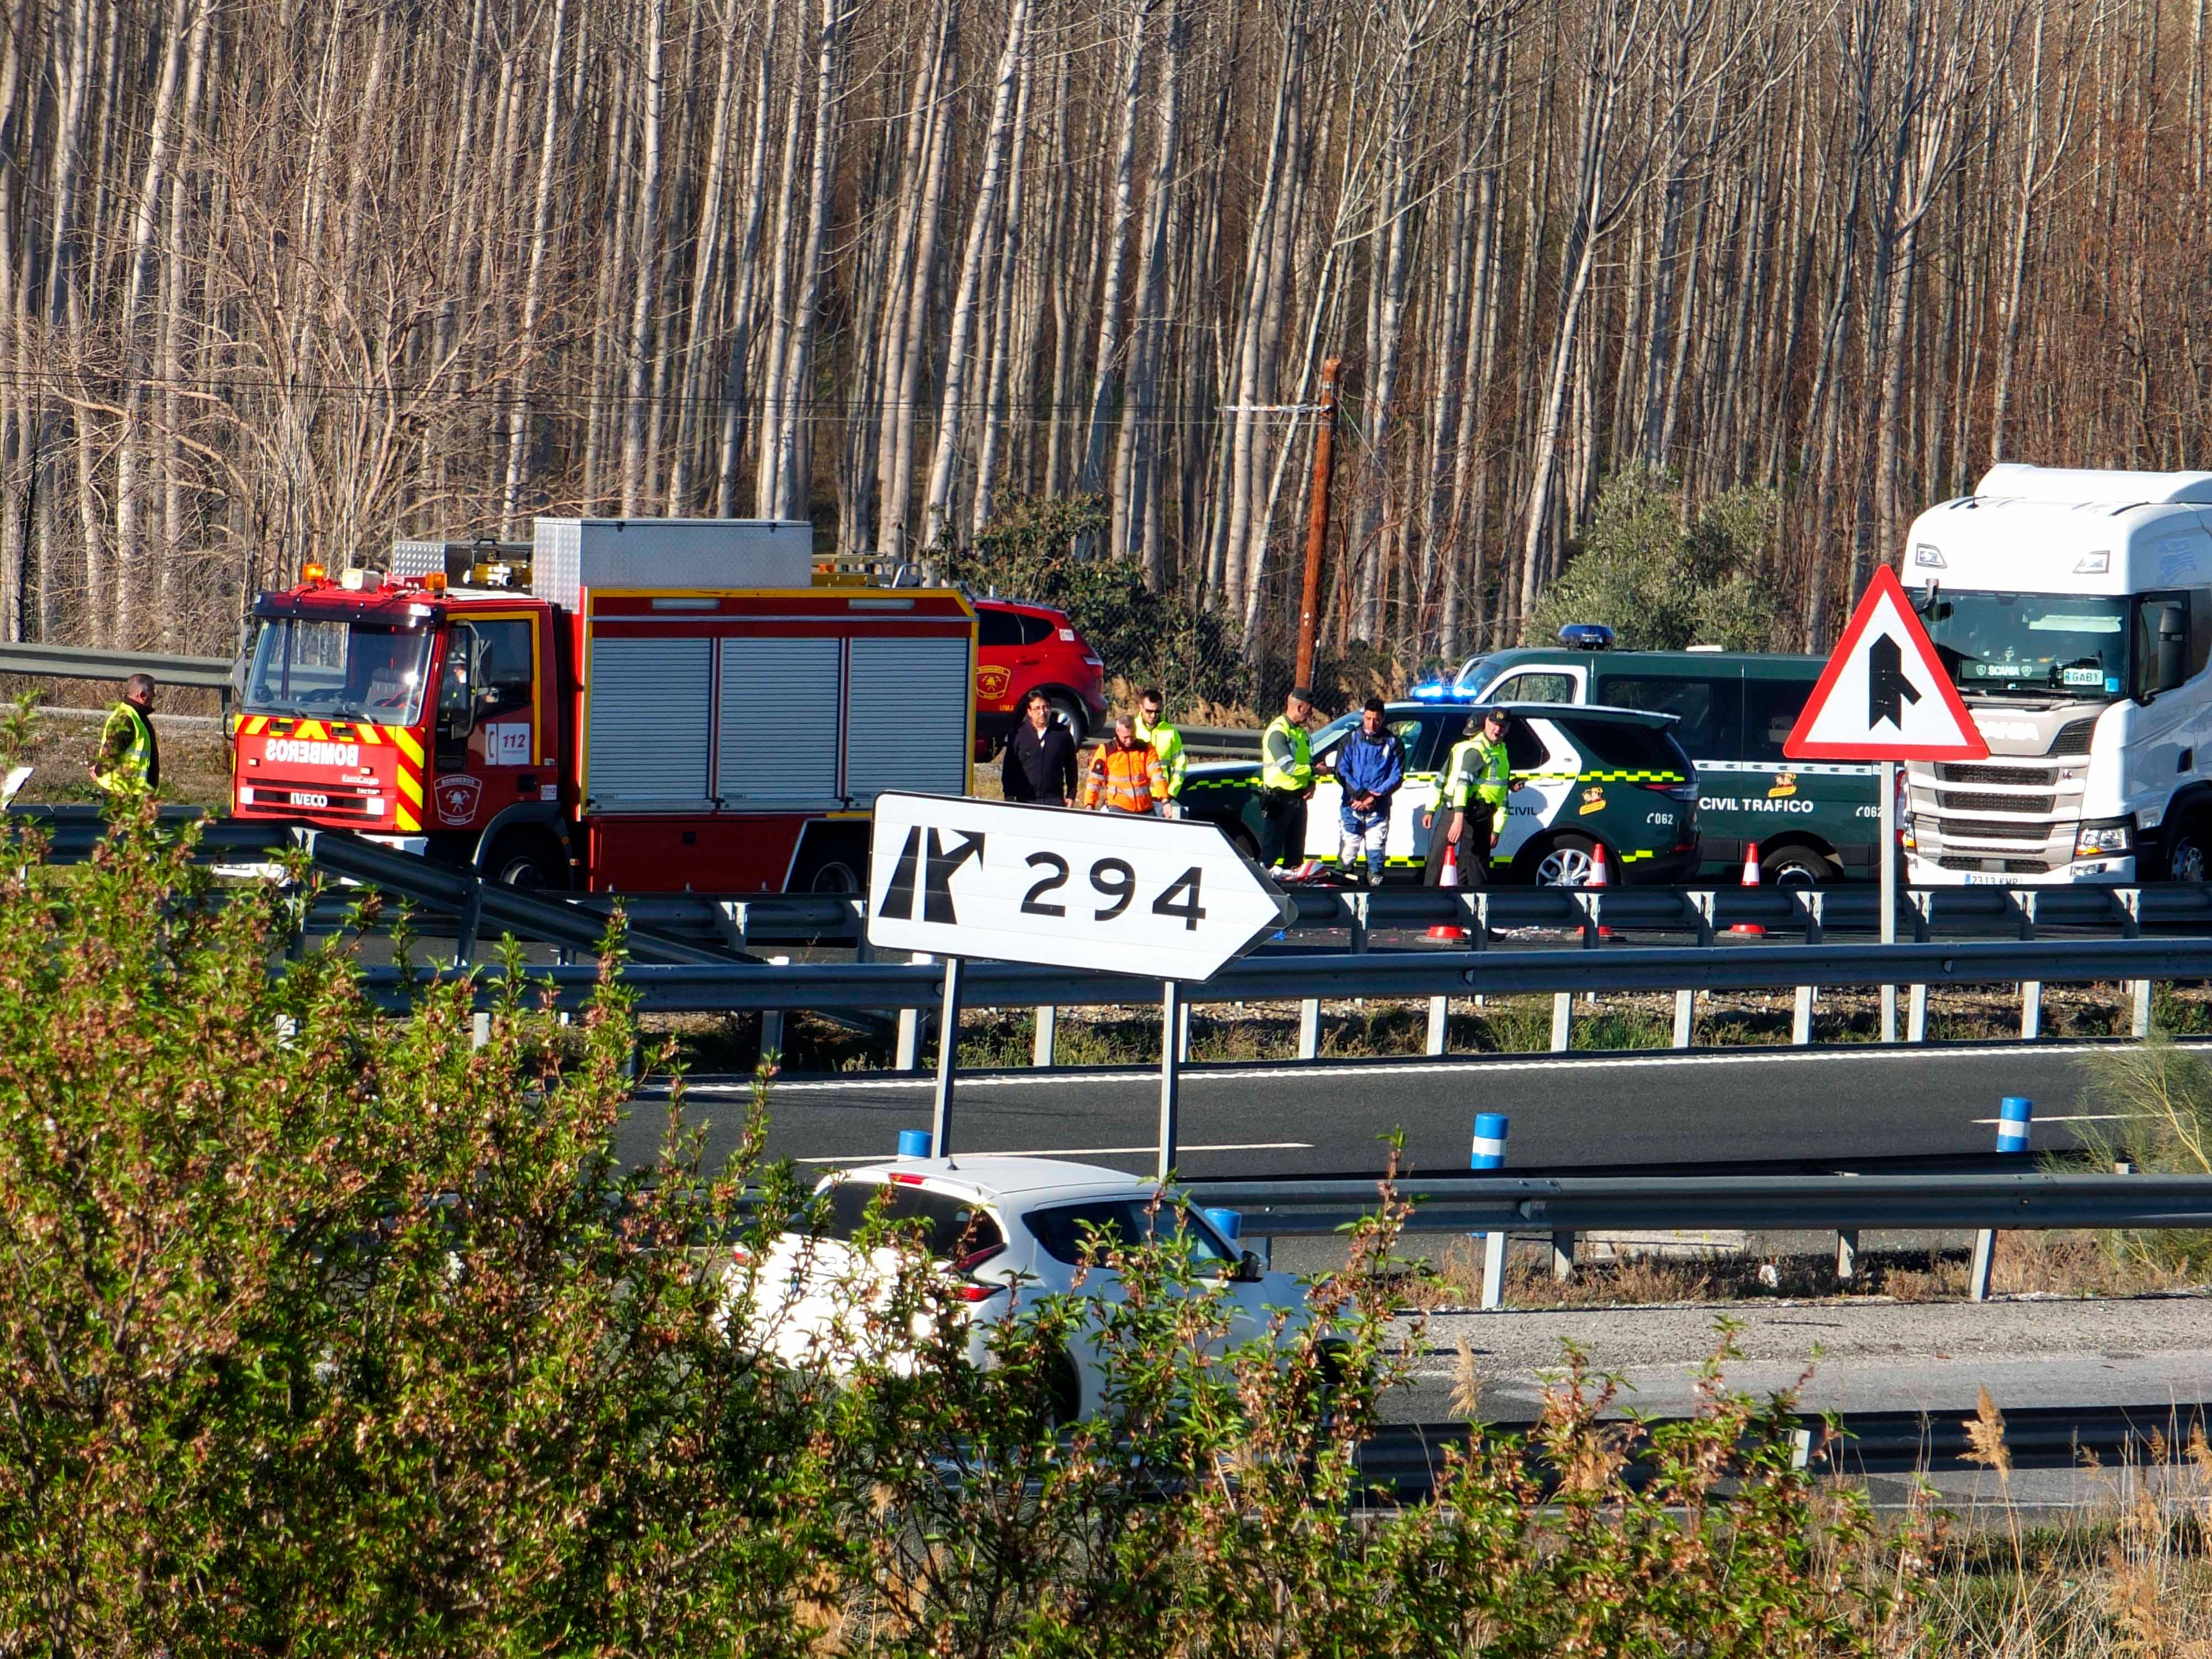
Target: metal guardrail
x,y
1221,742
1409,1459
1945,1203
84,663
1300,977
1810,913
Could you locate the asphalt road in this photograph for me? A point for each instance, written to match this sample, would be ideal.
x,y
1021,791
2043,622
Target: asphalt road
x,y
1573,1111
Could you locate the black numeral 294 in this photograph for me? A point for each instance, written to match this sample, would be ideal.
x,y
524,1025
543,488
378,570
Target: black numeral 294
x,y
1115,882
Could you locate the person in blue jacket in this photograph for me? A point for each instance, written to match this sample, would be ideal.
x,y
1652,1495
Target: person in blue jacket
x,y
1370,767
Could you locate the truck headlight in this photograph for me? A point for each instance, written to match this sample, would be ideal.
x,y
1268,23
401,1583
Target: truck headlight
x,y
2102,837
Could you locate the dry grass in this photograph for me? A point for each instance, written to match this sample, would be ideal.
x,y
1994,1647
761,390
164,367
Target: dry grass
x,y
2131,1582
2027,1264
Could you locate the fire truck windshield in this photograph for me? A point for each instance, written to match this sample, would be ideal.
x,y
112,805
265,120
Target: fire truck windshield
x,y
341,670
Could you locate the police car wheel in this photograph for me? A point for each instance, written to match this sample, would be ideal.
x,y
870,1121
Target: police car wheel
x,y
1796,867
1567,863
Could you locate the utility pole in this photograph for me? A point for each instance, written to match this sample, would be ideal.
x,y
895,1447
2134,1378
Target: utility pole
x,y
1317,520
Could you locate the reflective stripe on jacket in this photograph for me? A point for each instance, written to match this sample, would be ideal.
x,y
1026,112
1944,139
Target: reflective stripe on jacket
x,y
1125,779
129,759
1167,743
1285,756
1478,770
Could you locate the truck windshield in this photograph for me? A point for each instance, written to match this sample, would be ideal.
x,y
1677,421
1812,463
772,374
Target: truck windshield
x,y
2074,645
339,671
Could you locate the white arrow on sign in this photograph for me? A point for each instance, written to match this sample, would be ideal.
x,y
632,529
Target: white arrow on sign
x,y
1106,891
1884,694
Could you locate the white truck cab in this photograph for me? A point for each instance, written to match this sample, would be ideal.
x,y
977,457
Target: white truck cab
x,y
2073,610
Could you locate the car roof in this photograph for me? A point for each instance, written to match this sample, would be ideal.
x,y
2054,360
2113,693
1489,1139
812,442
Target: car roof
x,y
997,1177
1001,603
1663,665
1552,711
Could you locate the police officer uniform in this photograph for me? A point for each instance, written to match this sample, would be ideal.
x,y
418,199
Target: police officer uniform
x,y
1474,783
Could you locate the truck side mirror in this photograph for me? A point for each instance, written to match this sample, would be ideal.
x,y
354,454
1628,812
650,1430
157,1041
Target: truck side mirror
x,y
2172,646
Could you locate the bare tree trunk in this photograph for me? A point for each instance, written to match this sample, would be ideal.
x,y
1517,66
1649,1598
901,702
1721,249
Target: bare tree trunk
x,y
937,508
1106,361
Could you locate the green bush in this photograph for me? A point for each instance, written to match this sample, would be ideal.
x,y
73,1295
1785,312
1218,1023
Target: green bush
x,y
1028,551
326,1330
1662,582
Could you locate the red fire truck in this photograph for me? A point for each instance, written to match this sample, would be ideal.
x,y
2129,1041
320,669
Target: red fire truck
x,y
623,706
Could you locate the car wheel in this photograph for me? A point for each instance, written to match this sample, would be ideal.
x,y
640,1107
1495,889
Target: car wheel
x,y
2189,855
1796,867
1063,1391
1567,863
1070,712
528,861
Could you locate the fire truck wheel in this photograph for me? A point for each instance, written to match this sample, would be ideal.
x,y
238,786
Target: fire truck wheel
x,y
836,877
526,858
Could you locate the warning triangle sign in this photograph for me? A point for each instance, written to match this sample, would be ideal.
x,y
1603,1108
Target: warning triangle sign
x,y
1884,694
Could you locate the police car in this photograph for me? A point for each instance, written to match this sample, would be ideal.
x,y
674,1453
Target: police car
x,y
1590,777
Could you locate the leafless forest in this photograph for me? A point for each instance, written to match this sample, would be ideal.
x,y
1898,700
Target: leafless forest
x,y
287,277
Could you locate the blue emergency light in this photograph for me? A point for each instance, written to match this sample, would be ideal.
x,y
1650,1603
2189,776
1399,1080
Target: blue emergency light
x,y
1586,636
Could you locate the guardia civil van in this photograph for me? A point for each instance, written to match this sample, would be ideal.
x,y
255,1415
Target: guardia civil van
x,y
2073,610
1815,822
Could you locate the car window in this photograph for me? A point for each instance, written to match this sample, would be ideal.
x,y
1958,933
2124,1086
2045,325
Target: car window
x,y
997,627
950,1225
1065,1230
1524,750
1711,709
1035,630
1536,687
1618,746
1770,708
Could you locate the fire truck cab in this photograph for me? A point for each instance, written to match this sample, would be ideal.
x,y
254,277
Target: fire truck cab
x,y
639,706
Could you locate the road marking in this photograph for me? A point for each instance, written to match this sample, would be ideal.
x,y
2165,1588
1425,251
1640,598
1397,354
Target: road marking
x,y
1062,1077
1096,1151
2078,1117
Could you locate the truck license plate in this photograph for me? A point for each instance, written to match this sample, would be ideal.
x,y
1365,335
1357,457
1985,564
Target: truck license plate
x,y
1979,879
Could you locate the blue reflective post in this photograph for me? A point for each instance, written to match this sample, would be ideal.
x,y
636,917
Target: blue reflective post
x,y
2015,1114
1489,1153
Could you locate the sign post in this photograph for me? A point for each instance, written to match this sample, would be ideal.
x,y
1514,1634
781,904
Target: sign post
x,y
1884,696
1172,902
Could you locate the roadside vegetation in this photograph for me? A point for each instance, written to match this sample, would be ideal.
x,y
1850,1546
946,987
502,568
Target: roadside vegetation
x,y
329,1331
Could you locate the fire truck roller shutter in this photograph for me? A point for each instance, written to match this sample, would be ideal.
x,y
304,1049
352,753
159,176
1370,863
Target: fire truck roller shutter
x,y
907,720
779,734
651,724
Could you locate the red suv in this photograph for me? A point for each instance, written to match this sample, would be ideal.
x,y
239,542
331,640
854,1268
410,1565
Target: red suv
x,y
1021,648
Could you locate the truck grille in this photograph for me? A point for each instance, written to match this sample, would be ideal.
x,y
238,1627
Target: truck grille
x,y
2072,738
1969,803
2040,777
1993,829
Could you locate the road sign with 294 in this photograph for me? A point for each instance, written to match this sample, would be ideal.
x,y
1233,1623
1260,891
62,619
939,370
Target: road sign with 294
x,y
1103,890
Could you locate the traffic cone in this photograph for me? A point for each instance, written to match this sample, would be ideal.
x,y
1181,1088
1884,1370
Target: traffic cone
x,y
1444,933
1597,879
1750,879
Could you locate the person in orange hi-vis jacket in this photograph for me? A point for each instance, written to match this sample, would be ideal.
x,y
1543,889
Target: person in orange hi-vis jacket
x,y
1125,773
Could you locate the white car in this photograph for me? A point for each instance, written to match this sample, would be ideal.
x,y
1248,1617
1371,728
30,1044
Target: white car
x,y
1012,1230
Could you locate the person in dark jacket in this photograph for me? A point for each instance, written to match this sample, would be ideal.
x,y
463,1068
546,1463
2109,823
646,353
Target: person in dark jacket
x,y
1039,758
1369,766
